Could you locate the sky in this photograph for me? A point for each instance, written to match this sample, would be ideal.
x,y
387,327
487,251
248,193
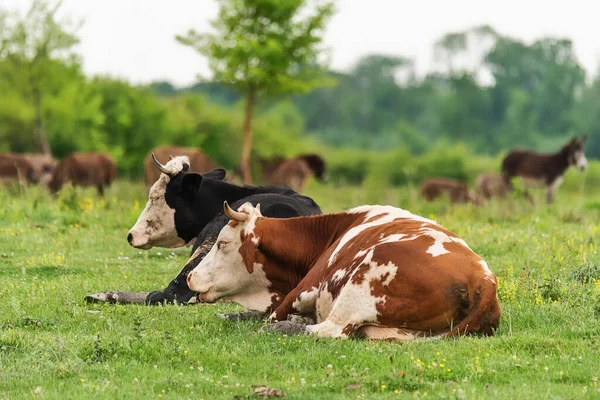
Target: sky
x,y
134,39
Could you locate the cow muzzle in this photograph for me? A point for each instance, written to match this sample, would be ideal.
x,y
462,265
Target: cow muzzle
x,y
138,241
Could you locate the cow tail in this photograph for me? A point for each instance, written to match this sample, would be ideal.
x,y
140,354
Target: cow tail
x,y
484,316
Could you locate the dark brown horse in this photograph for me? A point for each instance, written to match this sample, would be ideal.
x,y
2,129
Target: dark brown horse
x,y
543,169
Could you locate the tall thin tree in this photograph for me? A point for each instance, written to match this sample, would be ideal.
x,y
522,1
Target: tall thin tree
x,y
264,47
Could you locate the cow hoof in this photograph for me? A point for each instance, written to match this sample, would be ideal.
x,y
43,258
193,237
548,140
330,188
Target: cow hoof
x,y
117,296
158,297
243,316
285,327
301,319
102,297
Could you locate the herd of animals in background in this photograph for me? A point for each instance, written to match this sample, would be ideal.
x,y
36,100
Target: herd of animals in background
x,y
99,170
534,169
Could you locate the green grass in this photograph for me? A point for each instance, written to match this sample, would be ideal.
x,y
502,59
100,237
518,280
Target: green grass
x,y
53,345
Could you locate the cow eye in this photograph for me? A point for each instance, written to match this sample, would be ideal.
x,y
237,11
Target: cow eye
x,y
221,243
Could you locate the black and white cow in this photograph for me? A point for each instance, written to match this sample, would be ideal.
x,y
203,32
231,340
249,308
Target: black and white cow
x,y
186,208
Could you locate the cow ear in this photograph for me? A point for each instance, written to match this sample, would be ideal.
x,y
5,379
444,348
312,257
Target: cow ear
x,y
583,139
191,181
217,173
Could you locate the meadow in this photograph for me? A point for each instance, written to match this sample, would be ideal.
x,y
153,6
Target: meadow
x,y
53,345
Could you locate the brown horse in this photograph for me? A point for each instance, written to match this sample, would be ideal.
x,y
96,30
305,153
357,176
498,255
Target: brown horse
x,y
543,169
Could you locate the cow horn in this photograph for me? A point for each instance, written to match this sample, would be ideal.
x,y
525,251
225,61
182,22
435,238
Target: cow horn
x,y
234,215
161,167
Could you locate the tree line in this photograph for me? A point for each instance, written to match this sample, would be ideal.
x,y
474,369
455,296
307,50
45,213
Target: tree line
x,y
489,92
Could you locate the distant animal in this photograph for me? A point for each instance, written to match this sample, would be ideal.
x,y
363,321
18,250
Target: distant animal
x,y
293,172
199,162
84,169
432,188
186,208
490,185
27,167
543,169
378,272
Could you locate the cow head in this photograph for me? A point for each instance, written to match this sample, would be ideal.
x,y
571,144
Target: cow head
x,y
169,219
230,268
575,153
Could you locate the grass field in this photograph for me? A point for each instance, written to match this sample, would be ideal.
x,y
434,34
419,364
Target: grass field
x,y
54,345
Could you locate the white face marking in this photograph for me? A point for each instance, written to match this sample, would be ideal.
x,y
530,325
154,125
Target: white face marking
x,y
580,160
386,213
155,226
223,274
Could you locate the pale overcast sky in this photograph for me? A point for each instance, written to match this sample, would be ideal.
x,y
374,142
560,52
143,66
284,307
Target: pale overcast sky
x,y
135,38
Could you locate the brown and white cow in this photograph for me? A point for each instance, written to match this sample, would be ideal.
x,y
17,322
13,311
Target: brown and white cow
x,y
538,169
490,185
198,161
373,271
432,188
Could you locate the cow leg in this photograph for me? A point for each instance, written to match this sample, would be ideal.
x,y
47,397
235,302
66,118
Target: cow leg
x,y
300,300
178,290
100,189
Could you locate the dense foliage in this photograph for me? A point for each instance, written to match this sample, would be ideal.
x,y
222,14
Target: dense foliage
x,y
488,93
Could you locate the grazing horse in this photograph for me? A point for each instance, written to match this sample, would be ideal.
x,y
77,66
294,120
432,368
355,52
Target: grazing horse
x,y
545,169
374,271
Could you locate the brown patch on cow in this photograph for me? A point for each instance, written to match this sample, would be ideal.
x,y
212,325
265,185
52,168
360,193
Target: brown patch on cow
x,y
199,162
432,188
